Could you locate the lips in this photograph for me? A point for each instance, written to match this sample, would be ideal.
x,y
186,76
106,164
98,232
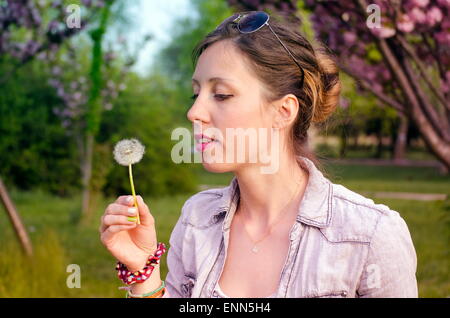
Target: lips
x,y
203,141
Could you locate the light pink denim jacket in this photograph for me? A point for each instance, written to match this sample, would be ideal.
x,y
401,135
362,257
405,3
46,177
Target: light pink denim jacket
x,y
341,245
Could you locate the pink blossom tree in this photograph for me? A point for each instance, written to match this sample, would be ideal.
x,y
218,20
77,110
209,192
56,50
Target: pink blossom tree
x,y
398,50
37,29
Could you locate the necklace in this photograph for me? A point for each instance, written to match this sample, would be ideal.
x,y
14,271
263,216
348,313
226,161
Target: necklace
x,y
279,218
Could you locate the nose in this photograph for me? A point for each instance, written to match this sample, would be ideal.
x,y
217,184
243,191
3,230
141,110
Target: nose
x,y
198,112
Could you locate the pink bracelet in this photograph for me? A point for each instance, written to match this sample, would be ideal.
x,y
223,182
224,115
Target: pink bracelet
x,y
141,275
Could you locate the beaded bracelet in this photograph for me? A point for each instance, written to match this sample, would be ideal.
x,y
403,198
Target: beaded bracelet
x,y
157,293
141,275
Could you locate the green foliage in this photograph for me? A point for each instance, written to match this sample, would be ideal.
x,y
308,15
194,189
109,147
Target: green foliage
x,y
94,110
35,150
363,116
175,60
141,112
21,276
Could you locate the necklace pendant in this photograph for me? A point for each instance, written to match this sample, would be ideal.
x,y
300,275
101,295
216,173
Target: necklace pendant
x,y
255,249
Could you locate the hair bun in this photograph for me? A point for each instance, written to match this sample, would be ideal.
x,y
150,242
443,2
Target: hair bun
x,y
330,89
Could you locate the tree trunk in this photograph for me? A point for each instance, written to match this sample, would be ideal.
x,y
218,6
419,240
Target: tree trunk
x,y
431,135
355,141
379,151
435,142
18,226
400,142
343,143
93,115
87,173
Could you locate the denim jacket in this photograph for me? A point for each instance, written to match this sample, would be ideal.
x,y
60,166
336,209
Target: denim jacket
x,y
341,245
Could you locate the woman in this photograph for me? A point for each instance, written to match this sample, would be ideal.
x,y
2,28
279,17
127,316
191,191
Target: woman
x,y
286,233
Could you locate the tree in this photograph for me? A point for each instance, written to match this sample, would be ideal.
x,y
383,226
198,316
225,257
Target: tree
x,y
175,60
86,97
397,50
35,29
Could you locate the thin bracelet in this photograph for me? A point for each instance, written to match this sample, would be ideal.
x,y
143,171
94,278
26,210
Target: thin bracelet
x,y
147,295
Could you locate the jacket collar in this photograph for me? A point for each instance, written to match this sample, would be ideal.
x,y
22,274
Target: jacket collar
x,y
314,209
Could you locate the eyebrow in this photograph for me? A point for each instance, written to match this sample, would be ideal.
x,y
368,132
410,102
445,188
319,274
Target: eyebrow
x,y
214,79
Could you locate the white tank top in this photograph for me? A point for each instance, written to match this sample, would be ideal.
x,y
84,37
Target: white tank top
x,y
220,294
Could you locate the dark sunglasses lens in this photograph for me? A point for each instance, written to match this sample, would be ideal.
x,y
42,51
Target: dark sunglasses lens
x,y
253,22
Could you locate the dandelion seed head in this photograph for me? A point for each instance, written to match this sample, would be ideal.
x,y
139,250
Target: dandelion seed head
x,y
128,152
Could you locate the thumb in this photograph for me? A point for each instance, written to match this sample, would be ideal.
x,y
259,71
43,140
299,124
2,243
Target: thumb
x,y
145,216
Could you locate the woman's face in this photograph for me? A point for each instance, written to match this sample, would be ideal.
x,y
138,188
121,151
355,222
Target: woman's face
x,y
229,108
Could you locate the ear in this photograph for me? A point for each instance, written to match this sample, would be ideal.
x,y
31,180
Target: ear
x,y
286,110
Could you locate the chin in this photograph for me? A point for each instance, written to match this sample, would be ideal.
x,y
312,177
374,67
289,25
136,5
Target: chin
x,y
218,167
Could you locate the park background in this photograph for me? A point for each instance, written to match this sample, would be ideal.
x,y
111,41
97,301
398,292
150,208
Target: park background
x,y
69,92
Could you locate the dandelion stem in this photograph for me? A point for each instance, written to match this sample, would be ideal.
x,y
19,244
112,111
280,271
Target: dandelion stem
x,y
133,192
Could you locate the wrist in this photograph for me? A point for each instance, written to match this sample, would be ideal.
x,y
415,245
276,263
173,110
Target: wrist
x,y
155,293
136,266
141,260
149,285
138,274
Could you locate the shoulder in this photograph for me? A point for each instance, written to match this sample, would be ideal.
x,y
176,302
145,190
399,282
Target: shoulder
x,y
204,208
356,218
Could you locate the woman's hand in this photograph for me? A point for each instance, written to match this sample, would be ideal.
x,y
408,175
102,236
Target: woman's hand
x,y
127,241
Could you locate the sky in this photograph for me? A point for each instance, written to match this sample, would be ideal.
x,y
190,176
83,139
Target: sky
x,y
156,17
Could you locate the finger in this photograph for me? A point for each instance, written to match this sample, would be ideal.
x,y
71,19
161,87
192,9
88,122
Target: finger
x,y
114,229
102,226
145,216
116,209
110,219
125,200
119,209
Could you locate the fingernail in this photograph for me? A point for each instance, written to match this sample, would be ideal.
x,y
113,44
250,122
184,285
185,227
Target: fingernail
x,y
132,211
130,199
131,219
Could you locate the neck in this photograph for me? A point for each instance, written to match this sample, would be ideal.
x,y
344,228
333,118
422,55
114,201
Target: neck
x,y
263,197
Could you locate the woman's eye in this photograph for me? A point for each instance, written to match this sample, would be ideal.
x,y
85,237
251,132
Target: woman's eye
x,y
222,97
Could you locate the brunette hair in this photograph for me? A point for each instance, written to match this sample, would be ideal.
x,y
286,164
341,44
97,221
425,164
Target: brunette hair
x,y
274,67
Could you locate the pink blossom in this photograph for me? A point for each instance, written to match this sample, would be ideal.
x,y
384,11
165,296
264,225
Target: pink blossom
x,y
417,15
349,38
371,75
444,3
377,87
421,3
344,102
66,123
405,24
77,96
357,64
434,15
385,73
383,32
445,24
442,37
445,83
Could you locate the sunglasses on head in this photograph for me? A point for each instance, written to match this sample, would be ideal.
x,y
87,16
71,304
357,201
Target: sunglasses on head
x,y
252,21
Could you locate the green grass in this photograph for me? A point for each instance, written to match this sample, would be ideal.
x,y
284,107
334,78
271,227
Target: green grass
x,y
429,225
389,178
59,241
369,151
